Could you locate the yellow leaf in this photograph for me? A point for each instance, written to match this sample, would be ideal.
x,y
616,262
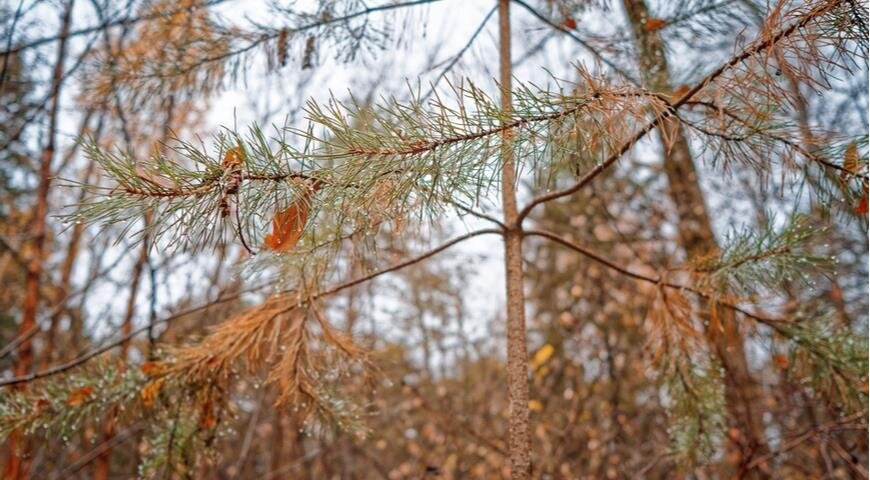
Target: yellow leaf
x,y
149,392
535,405
542,355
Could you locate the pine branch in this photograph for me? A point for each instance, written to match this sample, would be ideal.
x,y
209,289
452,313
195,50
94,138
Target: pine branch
x,y
842,354
754,261
759,46
583,43
84,358
775,323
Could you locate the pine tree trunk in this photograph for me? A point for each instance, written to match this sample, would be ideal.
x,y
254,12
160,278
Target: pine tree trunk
x,y
696,236
519,442
16,466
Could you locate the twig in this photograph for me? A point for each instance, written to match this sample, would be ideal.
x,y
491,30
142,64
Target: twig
x,y
11,346
108,444
774,323
573,36
126,21
794,442
461,52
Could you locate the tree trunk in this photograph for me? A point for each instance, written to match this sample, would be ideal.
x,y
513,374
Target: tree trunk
x,y
72,252
519,441
742,393
103,461
17,467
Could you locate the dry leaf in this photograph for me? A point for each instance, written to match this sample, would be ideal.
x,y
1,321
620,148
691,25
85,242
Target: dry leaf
x,y
208,419
308,56
233,158
149,393
850,160
862,209
40,405
570,23
288,225
679,92
535,405
781,361
79,396
232,163
654,24
152,368
542,355
282,47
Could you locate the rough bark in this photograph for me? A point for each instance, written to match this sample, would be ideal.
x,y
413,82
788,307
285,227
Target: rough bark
x,y
16,466
519,442
743,396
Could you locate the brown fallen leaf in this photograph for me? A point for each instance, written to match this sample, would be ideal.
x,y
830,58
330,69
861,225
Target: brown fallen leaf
x,y
152,368
207,420
232,164
781,361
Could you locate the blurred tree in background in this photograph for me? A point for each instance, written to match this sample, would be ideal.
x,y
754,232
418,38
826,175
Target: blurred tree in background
x,y
237,243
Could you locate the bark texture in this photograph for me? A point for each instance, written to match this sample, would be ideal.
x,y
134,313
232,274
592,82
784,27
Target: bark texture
x,y
519,442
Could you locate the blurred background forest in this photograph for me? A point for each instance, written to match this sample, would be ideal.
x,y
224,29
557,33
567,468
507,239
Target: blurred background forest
x,y
88,310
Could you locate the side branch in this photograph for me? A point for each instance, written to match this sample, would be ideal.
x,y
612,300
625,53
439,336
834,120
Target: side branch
x,y
422,146
208,184
760,46
105,348
774,323
785,141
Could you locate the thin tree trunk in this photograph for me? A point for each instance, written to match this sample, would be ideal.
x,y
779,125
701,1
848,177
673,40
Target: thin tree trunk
x,y
17,467
103,461
102,464
66,268
743,396
519,441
